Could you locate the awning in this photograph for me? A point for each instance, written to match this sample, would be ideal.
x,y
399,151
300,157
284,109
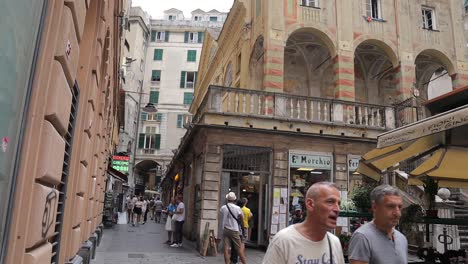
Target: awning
x,y
377,161
449,166
117,174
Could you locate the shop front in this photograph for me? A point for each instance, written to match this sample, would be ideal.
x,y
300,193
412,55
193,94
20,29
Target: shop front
x,y
305,169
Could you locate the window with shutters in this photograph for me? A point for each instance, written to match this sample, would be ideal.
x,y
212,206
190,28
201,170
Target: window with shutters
x,y
150,139
161,36
180,120
310,3
159,117
155,77
191,55
197,18
152,117
373,9
428,18
188,79
158,54
154,97
172,17
213,18
144,116
188,98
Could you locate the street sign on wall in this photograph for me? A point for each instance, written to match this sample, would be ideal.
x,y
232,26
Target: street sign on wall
x,y
120,163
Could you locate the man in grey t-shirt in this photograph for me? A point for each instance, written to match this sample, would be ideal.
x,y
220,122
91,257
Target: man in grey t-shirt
x,y
378,242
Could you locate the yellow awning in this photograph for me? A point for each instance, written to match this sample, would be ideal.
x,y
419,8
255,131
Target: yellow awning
x,y
441,183
448,164
368,171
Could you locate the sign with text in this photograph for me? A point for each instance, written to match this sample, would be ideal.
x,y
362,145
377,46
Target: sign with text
x,y
353,162
120,163
313,161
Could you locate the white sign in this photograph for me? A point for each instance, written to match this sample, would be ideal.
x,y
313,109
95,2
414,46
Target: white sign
x,y
438,123
313,161
353,162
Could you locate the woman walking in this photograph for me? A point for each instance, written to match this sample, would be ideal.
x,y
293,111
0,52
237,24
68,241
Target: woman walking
x,y
138,210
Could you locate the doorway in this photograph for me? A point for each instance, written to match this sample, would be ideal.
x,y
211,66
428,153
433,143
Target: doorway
x,y
246,172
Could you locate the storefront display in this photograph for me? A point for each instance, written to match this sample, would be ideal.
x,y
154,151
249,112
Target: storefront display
x,y
305,169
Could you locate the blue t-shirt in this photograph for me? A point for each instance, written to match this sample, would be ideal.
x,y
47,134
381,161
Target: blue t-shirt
x,y
171,208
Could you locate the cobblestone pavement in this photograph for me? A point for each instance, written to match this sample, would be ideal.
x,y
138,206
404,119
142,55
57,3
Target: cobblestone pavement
x,y
145,244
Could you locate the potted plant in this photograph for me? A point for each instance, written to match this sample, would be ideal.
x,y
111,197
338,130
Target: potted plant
x,y
431,187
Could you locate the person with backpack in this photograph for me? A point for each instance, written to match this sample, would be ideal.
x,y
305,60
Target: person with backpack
x,y
232,228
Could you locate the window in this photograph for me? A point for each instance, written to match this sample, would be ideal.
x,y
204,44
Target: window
x,y
153,35
373,8
144,116
213,18
180,121
193,37
187,79
310,3
159,117
158,54
152,117
197,18
154,97
149,139
192,55
159,36
188,98
172,17
428,18
156,76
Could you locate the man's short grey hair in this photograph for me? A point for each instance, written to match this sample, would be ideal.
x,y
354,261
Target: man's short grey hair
x,y
313,190
379,192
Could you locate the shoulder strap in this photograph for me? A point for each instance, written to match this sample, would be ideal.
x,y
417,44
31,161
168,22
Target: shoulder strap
x,y
330,248
227,205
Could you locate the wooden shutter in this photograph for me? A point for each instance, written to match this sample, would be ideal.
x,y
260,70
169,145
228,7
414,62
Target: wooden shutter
x,y
166,36
179,121
158,141
153,36
182,79
186,36
144,116
154,97
369,8
141,141
200,37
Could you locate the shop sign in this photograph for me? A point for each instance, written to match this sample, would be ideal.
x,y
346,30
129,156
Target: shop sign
x,y
353,162
120,163
315,161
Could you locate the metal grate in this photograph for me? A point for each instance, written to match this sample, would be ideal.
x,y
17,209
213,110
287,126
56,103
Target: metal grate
x,y
242,158
62,187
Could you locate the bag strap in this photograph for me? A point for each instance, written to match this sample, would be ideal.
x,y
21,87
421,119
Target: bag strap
x,y
227,205
330,248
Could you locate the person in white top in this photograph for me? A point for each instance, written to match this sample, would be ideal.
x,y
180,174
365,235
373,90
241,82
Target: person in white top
x,y
310,241
232,227
179,219
143,209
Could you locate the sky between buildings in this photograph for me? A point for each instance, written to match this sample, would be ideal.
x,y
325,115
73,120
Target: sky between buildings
x,y
156,7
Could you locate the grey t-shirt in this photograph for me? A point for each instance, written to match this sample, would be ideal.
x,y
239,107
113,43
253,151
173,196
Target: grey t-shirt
x,y
371,245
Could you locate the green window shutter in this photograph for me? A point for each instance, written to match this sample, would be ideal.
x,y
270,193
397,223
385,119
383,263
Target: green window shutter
x,y
166,36
192,55
188,97
158,141
186,36
141,141
144,116
153,36
200,37
158,54
154,97
156,75
159,117
182,79
179,121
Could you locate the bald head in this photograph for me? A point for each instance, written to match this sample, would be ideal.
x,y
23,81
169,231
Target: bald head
x,y
314,191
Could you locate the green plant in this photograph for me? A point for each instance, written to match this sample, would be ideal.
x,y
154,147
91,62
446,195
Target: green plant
x,y
410,215
361,197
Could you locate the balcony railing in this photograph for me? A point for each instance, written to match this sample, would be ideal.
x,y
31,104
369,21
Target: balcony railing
x,y
253,103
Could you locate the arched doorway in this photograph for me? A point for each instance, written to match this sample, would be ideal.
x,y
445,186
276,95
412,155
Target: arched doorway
x,y
145,176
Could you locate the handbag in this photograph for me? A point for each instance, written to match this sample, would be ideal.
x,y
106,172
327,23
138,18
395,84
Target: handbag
x,y
168,226
240,226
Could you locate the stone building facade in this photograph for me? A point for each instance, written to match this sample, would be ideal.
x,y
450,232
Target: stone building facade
x,y
66,130
293,92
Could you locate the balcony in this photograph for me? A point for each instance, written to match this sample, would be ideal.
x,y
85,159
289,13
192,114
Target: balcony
x,y
242,107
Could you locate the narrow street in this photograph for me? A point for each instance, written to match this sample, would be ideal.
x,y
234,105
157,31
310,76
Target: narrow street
x,y
145,244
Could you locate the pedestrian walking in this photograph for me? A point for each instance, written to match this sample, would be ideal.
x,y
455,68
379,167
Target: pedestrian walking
x,y
151,207
158,208
179,217
170,223
310,241
248,219
129,205
232,228
137,210
144,209
378,242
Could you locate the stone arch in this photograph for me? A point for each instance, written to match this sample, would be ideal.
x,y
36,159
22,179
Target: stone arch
x,y
433,70
386,46
308,60
256,63
324,35
374,72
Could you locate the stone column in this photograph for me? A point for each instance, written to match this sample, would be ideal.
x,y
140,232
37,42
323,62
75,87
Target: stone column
x,y
344,76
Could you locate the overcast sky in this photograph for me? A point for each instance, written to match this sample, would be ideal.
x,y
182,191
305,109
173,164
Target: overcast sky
x,y
156,7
